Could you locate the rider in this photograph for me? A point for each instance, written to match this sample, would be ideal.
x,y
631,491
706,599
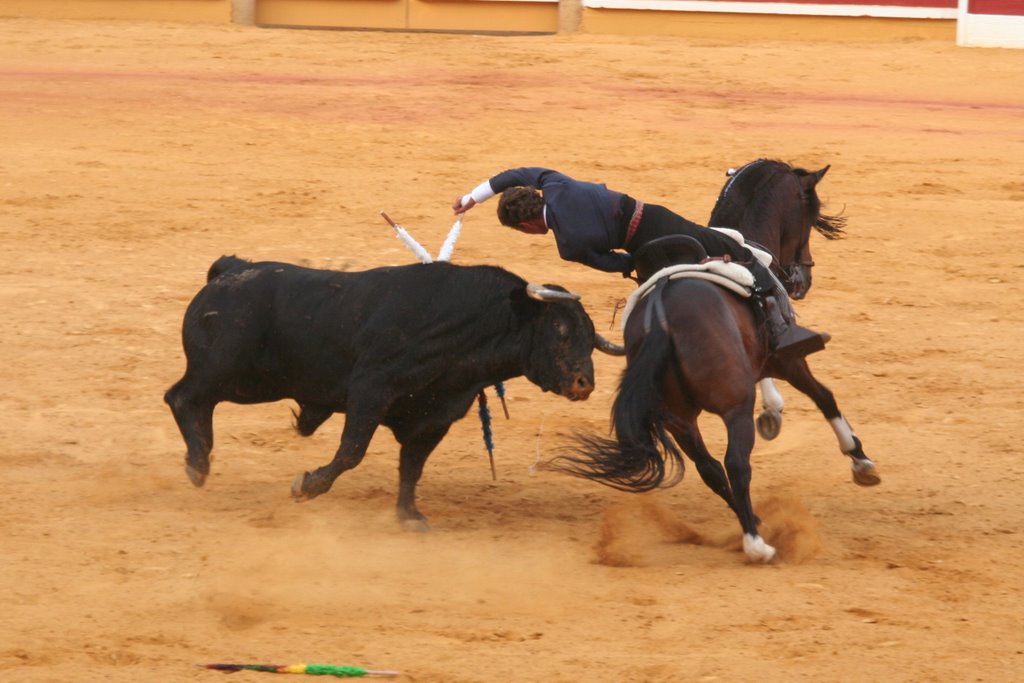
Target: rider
x,y
603,229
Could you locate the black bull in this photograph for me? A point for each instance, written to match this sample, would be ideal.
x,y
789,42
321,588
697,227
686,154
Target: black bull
x,y
407,347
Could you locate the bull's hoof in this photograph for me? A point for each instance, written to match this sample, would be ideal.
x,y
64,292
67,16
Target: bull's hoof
x,y
865,474
195,476
298,488
420,526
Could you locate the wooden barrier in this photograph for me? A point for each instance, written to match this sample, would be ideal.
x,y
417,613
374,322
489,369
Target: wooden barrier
x,y
496,16
990,23
972,22
189,11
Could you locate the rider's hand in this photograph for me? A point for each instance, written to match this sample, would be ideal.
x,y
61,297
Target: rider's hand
x,y
459,207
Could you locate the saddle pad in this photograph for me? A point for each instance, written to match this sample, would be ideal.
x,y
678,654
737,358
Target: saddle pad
x,y
732,276
760,254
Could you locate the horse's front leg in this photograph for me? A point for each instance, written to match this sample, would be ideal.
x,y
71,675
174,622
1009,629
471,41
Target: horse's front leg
x,y
769,422
863,468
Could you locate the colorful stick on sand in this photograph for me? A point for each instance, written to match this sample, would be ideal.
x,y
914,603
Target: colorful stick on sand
x,y
308,669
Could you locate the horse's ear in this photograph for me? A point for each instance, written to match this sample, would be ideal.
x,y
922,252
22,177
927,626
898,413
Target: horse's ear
x,y
811,180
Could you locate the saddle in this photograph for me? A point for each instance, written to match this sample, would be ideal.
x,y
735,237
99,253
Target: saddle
x,y
671,250
680,256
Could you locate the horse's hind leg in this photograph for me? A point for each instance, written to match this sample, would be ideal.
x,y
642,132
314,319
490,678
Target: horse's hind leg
x,y
739,425
194,416
689,438
798,373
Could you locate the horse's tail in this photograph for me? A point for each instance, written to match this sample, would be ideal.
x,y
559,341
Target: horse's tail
x,y
224,264
643,455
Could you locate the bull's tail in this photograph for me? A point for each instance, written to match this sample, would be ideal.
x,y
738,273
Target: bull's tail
x,y
224,264
642,456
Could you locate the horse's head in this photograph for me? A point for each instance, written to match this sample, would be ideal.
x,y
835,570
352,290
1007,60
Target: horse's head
x,y
802,215
775,206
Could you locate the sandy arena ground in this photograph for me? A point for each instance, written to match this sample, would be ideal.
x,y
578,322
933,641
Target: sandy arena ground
x,y
135,154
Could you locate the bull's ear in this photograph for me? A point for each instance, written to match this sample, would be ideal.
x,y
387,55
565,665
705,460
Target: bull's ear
x,y
524,307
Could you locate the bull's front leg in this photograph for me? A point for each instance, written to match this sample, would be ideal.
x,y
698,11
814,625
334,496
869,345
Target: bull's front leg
x,y
355,439
416,448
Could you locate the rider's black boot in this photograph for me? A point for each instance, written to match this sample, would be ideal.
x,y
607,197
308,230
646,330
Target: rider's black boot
x,y
790,340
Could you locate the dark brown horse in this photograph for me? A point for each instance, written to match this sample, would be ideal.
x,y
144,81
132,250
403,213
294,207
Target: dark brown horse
x,y
776,205
694,346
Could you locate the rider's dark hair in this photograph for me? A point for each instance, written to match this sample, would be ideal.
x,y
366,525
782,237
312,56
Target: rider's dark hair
x,y
519,204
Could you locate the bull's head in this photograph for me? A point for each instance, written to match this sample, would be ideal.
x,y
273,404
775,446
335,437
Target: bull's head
x,y
562,340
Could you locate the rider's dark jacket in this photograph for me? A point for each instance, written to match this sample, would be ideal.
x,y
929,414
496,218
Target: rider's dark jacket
x,y
590,221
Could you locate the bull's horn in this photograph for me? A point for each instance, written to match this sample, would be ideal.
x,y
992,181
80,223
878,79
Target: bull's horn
x,y
542,293
611,348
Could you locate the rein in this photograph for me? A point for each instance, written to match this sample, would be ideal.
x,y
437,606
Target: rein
x,y
782,270
786,273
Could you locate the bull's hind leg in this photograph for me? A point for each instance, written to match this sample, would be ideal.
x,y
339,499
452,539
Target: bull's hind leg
x,y
863,468
194,416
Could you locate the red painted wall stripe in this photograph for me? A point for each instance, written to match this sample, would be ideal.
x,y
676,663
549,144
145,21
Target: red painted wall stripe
x,y
941,4
1012,7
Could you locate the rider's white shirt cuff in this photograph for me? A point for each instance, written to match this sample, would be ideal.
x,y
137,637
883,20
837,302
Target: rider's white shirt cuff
x,y
481,193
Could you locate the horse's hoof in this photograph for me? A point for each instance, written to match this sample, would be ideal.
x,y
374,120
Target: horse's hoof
x,y
756,549
865,474
297,492
420,526
769,424
195,476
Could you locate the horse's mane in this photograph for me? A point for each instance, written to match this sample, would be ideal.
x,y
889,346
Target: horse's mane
x,y
749,181
753,180
830,227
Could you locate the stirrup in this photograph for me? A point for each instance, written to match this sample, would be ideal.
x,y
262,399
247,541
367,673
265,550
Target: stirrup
x,y
797,342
